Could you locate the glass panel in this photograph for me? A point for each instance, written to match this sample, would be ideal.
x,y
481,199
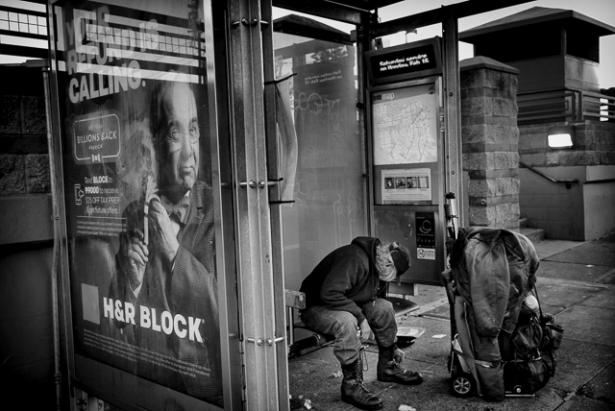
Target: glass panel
x,y
329,208
137,174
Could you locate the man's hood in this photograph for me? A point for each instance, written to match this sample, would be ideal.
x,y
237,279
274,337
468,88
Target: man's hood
x,y
368,244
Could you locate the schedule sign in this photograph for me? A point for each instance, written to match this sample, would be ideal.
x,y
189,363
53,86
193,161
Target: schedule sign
x,y
405,61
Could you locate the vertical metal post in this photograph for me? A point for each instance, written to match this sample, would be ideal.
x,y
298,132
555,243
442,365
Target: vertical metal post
x,y
453,181
364,41
64,371
216,66
256,287
283,323
55,300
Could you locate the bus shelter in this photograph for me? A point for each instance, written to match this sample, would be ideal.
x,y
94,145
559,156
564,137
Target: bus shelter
x,y
206,159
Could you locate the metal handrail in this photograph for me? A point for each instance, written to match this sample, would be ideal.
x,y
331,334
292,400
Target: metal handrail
x,y
600,181
567,183
598,106
565,105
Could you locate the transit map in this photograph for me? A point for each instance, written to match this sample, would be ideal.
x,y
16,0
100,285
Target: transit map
x,y
405,126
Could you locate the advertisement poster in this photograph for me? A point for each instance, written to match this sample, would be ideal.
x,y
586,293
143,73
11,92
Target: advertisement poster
x,y
406,185
138,191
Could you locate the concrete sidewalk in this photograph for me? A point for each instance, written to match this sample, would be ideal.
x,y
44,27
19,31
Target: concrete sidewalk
x,y
576,283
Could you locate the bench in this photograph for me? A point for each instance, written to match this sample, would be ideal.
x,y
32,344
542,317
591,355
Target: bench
x,y
295,300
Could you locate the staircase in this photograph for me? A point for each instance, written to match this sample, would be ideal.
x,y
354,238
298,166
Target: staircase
x,y
534,234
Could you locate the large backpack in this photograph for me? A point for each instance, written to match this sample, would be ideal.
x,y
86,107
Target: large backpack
x,y
529,352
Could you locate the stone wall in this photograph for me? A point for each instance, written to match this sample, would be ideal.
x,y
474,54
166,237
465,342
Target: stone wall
x,y
24,162
594,144
490,138
578,210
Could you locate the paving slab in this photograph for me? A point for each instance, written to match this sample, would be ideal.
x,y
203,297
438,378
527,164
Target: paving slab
x,y
434,345
425,296
578,362
394,395
602,386
434,385
589,324
603,299
596,253
443,311
572,271
547,248
312,376
556,296
586,404
608,278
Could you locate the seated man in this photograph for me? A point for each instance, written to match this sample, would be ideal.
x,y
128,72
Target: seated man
x,y
344,299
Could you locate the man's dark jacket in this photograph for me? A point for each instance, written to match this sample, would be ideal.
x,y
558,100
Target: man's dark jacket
x,y
346,278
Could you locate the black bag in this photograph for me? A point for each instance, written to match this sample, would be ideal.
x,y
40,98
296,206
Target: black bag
x,y
529,352
553,333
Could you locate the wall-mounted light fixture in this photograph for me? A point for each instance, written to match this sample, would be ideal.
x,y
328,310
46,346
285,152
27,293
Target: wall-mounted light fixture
x,y
560,137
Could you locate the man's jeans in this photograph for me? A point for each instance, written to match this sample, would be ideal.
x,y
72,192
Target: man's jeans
x,y
344,327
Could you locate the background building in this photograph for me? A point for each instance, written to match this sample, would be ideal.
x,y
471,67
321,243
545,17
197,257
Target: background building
x,y
564,190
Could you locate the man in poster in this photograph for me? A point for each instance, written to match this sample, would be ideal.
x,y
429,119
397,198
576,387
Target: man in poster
x,y
165,262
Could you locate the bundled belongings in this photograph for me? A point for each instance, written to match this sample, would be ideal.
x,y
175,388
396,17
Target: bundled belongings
x,y
528,353
501,341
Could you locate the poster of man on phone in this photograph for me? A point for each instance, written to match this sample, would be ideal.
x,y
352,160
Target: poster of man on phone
x,y
138,191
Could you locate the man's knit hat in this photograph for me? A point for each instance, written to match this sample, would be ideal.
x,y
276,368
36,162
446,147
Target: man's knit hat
x,y
401,257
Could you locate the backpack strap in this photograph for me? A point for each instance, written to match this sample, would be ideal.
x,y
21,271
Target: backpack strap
x,y
538,299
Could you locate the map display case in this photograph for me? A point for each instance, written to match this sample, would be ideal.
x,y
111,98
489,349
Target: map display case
x,y
406,154
405,128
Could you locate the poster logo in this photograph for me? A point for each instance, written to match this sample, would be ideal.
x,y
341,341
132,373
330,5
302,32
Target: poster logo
x,y
96,139
89,303
79,194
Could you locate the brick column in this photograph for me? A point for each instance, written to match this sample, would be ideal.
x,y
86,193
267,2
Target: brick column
x,y
490,140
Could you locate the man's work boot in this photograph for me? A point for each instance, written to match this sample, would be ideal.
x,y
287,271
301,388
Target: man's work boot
x,y
353,390
389,370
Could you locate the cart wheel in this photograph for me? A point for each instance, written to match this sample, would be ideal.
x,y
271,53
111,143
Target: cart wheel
x,y
462,385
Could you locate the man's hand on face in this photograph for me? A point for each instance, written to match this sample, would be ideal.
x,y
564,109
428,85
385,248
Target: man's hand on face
x,y
364,330
164,230
133,257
